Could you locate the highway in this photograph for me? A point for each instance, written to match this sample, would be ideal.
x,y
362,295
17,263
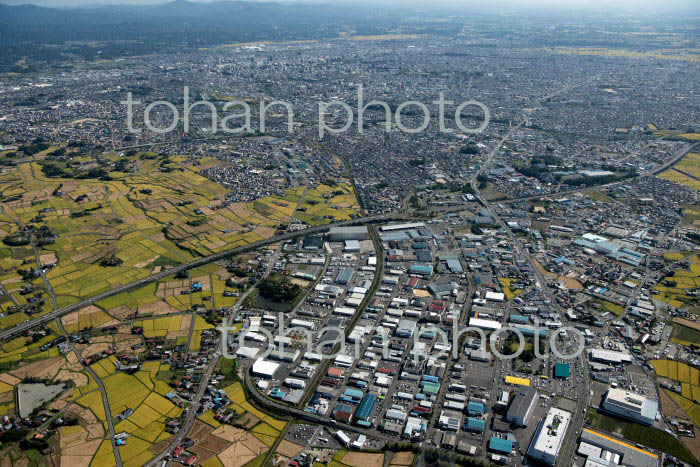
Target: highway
x,y
19,328
577,422
45,319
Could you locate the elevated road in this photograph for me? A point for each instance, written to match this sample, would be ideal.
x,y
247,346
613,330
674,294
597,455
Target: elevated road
x,y
45,319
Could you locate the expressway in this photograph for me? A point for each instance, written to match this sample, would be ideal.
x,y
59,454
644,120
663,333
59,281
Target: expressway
x,y
21,327
45,319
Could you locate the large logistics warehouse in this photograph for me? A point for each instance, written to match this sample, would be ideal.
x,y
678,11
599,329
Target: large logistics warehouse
x,y
340,234
264,368
522,406
549,436
630,405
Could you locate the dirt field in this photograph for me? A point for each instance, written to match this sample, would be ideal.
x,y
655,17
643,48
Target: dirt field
x,y
213,443
245,447
363,459
157,448
9,379
289,449
402,458
121,312
93,349
75,461
156,308
569,282
242,452
200,430
78,378
687,323
41,367
201,453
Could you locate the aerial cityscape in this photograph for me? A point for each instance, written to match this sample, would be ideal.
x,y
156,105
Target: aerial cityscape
x,y
245,234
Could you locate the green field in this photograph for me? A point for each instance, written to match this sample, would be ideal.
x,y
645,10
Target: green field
x,y
645,435
684,335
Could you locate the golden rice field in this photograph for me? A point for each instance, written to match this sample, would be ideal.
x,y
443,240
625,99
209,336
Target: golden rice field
x,y
689,378
27,349
144,394
686,171
250,445
147,219
683,280
506,284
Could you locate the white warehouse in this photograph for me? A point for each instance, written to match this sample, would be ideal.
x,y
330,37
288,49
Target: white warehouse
x,y
630,405
549,436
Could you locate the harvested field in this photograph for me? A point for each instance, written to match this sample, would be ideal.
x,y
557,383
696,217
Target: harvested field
x,y
39,367
9,379
75,461
202,453
200,430
213,443
156,308
687,323
157,448
363,459
289,449
402,458
79,379
247,448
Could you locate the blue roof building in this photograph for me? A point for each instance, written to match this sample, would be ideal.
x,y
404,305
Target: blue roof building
x,y
455,266
519,319
475,408
500,445
562,370
475,425
364,410
422,269
353,393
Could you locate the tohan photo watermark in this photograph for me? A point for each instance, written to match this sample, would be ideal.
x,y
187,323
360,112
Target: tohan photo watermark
x,y
239,115
417,350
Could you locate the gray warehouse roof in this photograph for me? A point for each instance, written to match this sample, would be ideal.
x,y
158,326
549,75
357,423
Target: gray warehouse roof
x,y
521,402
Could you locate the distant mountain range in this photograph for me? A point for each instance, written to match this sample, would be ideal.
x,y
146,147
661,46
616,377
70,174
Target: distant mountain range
x,y
52,35
173,20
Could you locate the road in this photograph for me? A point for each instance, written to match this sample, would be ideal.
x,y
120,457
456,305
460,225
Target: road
x,y
299,233
197,262
103,392
191,417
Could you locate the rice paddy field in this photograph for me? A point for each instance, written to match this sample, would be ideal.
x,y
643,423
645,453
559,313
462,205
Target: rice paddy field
x,y
689,379
158,213
686,171
81,399
113,231
508,290
674,289
249,446
27,349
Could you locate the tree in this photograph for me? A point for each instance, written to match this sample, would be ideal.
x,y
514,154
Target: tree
x,y
278,289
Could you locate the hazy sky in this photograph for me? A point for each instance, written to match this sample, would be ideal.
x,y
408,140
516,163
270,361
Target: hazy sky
x,y
692,5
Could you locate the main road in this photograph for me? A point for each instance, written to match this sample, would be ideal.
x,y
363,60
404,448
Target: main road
x,y
21,327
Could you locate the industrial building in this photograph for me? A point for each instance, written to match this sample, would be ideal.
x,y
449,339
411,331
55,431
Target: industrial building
x,y
340,234
549,436
344,276
264,368
408,225
562,370
630,405
608,356
522,406
500,445
605,451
